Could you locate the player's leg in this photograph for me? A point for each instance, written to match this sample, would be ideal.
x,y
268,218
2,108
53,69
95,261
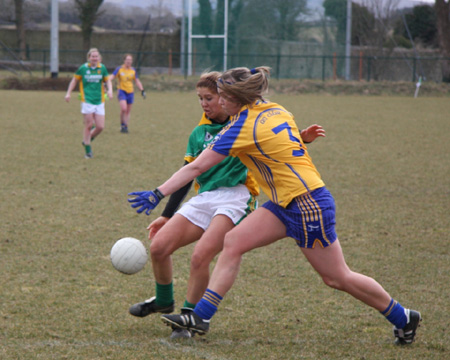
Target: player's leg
x,y
123,111
88,120
329,262
319,243
259,229
99,121
178,232
209,245
127,115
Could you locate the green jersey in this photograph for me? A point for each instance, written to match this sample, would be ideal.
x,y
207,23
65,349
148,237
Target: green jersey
x,y
91,81
228,173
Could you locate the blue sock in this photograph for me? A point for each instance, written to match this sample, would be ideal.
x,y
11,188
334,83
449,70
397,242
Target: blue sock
x,y
395,313
207,306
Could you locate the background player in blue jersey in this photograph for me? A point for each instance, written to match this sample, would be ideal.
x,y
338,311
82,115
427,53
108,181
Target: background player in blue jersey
x,y
266,139
125,75
226,194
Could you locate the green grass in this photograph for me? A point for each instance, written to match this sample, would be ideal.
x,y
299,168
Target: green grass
x,y
385,159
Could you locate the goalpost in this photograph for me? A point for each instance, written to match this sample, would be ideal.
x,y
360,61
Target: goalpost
x,y
223,36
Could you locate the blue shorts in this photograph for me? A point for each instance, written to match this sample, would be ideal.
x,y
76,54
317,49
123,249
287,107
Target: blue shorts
x,y
309,218
128,97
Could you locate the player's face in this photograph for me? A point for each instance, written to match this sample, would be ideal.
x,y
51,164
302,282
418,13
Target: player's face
x,y
209,101
128,61
229,105
94,58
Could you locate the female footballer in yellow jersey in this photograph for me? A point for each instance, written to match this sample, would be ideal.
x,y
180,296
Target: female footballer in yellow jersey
x,y
125,75
265,138
226,194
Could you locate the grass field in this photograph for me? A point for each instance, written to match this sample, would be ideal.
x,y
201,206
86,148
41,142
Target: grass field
x,y
385,159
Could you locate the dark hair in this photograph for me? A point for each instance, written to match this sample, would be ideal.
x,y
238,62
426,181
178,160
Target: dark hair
x,y
209,80
245,85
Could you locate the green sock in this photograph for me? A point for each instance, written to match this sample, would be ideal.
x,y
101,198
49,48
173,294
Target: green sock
x,y
88,148
164,294
189,305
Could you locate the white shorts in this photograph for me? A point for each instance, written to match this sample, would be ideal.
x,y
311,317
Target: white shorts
x,y
92,109
235,202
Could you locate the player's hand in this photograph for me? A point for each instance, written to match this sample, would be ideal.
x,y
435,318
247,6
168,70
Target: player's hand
x,y
156,225
312,133
67,97
145,200
144,95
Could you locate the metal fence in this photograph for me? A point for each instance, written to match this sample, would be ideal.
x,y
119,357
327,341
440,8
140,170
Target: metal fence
x,y
320,67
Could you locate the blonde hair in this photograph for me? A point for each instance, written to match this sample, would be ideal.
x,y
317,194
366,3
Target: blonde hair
x,y
209,80
91,50
245,85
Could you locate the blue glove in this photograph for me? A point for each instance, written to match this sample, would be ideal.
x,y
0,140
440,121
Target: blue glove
x,y
145,200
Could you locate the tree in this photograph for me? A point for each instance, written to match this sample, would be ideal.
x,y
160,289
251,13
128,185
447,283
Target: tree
x,y
443,25
88,14
363,21
421,24
337,9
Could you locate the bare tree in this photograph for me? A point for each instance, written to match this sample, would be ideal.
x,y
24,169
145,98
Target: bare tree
x,y
443,25
20,28
88,13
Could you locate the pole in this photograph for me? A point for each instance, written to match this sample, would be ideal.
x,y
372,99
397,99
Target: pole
x,y
183,37
225,34
54,39
348,40
190,39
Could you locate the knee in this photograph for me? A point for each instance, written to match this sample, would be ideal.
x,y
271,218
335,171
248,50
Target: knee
x,y
231,246
201,259
158,250
336,282
100,127
197,262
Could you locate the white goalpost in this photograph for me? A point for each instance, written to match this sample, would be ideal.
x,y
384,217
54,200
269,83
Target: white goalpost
x,y
191,36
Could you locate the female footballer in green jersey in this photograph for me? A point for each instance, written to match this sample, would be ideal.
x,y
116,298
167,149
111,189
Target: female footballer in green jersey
x,y
91,76
226,194
264,136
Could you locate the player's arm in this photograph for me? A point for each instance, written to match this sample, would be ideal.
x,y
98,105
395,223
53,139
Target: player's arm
x,y
140,87
207,159
72,85
148,200
172,206
109,87
311,133
176,199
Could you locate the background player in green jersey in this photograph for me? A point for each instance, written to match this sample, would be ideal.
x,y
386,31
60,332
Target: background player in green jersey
x,y
91,76
226,194
265,137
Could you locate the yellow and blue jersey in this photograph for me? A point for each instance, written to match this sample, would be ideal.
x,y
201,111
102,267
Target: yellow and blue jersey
x,y
228,173
266,139
125,78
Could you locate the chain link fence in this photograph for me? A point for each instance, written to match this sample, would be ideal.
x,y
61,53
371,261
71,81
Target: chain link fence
x,y
308,66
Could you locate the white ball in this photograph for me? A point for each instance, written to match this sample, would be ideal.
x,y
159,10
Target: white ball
x,y
129,255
